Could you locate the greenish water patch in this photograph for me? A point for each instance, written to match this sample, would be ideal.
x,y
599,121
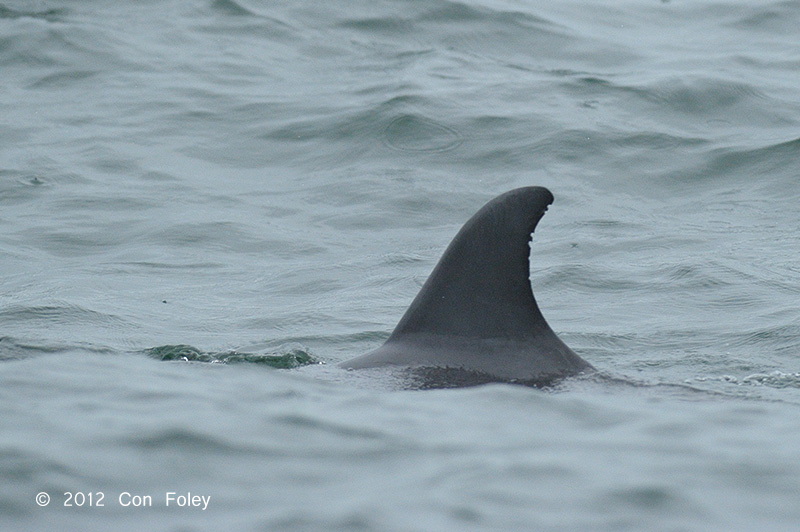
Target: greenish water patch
x,y
294,357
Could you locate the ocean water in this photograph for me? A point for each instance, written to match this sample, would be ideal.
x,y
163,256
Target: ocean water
x,y
205,205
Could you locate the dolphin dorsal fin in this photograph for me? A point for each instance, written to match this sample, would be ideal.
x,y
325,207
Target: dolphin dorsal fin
x,y
475,319
481,285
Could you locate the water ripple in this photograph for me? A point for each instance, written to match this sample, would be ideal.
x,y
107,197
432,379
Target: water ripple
x,y
65,313
414,133
49,15
774,379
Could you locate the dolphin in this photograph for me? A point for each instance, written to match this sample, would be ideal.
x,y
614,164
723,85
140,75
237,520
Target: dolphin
x,y
475,320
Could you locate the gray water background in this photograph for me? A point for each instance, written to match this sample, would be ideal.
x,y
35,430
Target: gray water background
x,y
194,192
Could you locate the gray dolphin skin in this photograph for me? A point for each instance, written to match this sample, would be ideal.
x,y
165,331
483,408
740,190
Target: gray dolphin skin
x,y
475,320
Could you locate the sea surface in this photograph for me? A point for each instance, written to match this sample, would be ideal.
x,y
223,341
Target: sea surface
x,y
205,205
